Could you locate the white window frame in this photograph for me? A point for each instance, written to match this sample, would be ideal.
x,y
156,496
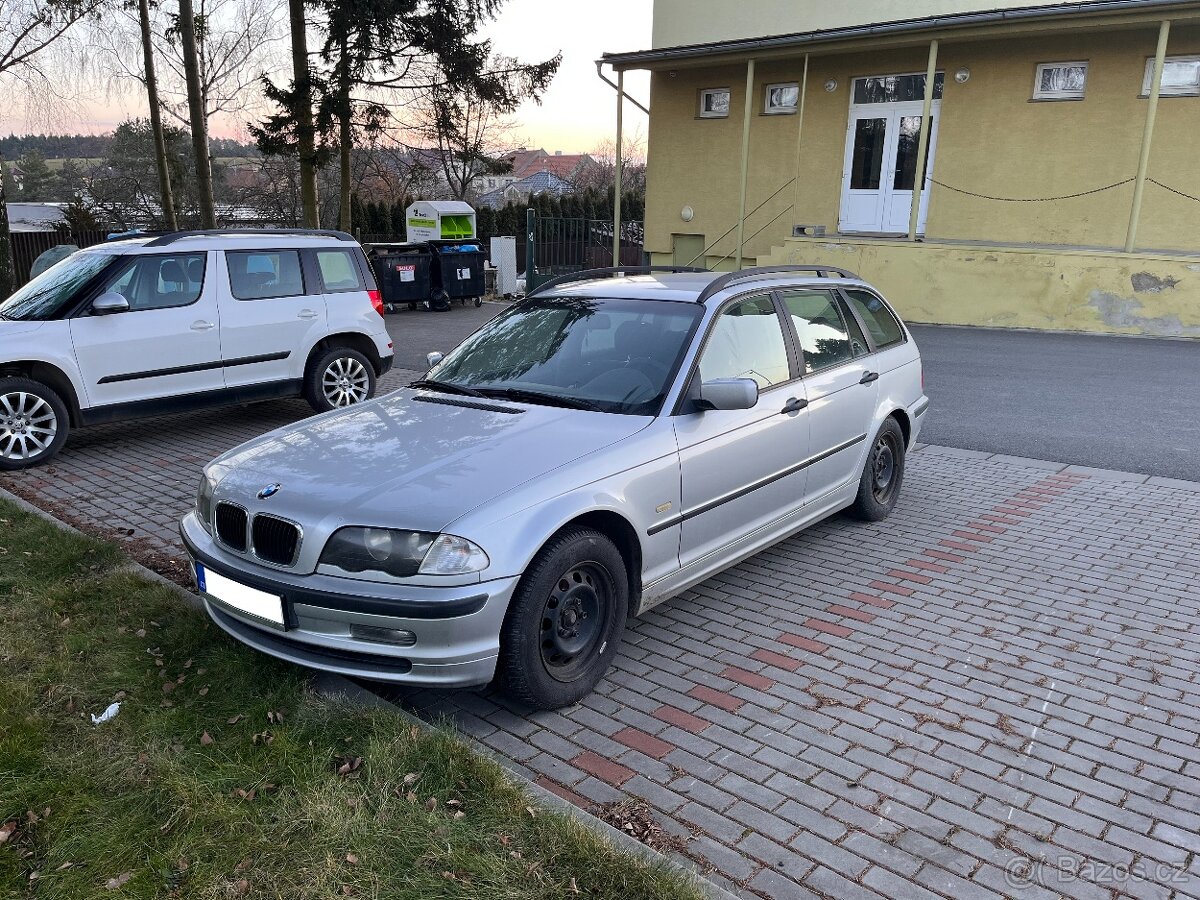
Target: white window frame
x,y
769,110
705,114
1039,94
1164,91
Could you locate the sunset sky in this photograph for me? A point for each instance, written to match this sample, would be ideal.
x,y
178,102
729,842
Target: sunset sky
x,y
576,114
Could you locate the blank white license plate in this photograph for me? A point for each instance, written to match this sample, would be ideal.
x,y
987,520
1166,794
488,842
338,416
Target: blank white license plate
x,y
246,599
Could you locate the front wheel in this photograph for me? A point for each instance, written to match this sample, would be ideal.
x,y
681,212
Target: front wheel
x,y
879,487
33,423
341,377
565,621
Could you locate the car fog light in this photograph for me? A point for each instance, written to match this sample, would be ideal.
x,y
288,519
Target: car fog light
x,y
397,637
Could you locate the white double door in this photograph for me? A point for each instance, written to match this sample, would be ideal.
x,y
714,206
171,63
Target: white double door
x,y
881,167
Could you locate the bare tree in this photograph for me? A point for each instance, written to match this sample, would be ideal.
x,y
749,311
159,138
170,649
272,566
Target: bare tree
x,y
160,144
199,121
469,136
28,29
237,41
600,174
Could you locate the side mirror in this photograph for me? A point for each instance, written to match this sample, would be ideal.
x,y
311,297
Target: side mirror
x,y
728,394
108,303
432,359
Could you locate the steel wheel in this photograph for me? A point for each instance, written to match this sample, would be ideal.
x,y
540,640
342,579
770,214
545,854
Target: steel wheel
x,y
883,467
345,382
28,426
574,620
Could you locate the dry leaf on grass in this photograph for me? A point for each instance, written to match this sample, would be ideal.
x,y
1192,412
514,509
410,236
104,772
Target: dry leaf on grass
x,y
346,765
352,859
431,804
119,882
6,831
242,886
410,779
233,720
205,739
275,718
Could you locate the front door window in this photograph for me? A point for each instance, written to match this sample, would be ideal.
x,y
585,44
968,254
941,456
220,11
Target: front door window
x,y
881,153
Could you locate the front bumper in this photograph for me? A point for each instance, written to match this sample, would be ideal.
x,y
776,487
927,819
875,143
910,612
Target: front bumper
x,y
457,629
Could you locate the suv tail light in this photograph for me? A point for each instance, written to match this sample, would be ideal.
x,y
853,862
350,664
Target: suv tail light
x,y
376,301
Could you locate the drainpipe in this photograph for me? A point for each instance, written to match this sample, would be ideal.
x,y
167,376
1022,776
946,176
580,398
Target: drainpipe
x,y
800,137
1139,187
923,143
617,167
746,119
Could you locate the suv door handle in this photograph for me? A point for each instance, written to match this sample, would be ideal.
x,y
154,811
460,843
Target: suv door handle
x,y
201,325
306,314
868,377
794,405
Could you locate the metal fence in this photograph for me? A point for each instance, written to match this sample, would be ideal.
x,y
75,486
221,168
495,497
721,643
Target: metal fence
x,y
27,246
562,246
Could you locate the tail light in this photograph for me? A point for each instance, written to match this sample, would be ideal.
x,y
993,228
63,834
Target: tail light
x,y
376,301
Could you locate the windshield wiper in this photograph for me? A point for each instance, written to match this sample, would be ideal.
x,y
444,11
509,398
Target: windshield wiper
x,y
542,397
446,387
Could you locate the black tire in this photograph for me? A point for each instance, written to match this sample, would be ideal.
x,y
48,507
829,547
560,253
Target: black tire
x,y
34,423
549,657
883,475
440,302
412,307
478,302
338,378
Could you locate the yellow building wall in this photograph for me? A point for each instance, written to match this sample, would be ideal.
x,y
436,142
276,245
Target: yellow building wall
x,y
992,140
1113,293
680,22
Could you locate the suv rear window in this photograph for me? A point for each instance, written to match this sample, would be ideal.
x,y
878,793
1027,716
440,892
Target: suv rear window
x,y
884,328
262,274
338,271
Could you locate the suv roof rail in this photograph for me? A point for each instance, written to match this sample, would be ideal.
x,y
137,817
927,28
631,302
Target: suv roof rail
x,y
754,274
172,237
611,272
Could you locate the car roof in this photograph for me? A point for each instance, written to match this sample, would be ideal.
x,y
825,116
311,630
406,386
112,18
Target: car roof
x,y
683,286
252,240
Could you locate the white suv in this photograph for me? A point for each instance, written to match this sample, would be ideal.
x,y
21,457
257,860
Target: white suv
x,y
147,326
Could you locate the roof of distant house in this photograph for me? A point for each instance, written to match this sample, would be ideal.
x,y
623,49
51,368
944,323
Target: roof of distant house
x,y
35,216
564,165
537,183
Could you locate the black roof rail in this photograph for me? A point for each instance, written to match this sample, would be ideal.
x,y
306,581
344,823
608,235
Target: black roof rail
x,y
754,274
611,272
172,237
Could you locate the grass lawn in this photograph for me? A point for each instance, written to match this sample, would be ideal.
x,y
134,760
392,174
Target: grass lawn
x,y
223,776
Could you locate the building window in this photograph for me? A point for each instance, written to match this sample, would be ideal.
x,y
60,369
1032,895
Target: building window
x,y
1181,77
1060,81
896,88
781,99
714,103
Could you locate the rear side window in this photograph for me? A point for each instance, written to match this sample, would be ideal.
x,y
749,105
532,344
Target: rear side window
x,y
160,282
339,272
262,274
884,328
819,325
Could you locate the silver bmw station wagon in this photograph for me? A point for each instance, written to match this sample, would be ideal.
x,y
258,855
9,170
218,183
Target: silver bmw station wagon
x,y
611,440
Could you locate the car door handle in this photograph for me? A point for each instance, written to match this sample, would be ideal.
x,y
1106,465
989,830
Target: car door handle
x,y
868,377
306,314
201,325
794,405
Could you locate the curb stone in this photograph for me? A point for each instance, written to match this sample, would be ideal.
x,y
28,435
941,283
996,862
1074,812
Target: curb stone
x,y
329,685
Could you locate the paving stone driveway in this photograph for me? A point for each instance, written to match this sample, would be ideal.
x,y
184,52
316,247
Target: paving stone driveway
x,y
993,693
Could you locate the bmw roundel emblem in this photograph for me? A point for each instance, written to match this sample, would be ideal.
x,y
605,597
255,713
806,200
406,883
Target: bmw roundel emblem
x,y
269,491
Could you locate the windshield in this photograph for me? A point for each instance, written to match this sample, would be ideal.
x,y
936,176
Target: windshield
x,y
45,296
610,355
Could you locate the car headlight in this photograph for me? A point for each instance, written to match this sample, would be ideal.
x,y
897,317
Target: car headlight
x,y
204,501
402,553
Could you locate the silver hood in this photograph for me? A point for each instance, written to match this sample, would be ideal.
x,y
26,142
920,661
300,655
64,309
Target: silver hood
x,y
412,459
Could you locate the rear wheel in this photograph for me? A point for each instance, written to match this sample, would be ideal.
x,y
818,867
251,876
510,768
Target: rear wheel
x,y
565,621
33,423
341,377
883,475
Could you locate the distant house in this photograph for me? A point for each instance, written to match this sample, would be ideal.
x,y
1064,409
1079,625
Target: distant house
x,y
567,166
520,191
36,216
